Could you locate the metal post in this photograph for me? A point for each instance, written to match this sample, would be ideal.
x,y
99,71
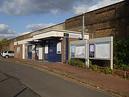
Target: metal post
x,y
111,60
87,53
86,44
83,25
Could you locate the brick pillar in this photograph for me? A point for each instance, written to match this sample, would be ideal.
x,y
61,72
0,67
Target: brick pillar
x,y
65,47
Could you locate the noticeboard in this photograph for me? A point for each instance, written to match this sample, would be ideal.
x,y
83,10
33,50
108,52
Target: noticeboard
x,y
72,51
95,49
78,49
102,51
91,50
80,52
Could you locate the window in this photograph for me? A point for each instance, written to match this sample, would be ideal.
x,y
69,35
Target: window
x,y
10,51
5,51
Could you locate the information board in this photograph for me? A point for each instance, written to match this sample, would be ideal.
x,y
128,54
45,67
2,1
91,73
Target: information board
x,y
80,52
46,49
72,50
102,51
58,48
91,50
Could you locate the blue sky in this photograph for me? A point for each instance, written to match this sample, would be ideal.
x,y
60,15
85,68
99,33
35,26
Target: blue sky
x,y
19,16
20,23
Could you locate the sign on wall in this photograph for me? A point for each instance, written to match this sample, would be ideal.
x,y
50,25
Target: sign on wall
x,y
59,48
46,49
40,53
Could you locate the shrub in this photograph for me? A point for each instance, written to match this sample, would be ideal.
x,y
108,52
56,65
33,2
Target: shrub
x,y
123,67
107,70
94,67
121,52
97,68
77,62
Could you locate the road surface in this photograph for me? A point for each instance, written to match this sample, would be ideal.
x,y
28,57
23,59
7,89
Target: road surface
x,y
46,84
12,87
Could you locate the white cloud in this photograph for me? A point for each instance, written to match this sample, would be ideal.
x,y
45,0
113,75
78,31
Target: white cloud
x,y
23,7
16,7
85,7
54,11
34,27
80,9
6,31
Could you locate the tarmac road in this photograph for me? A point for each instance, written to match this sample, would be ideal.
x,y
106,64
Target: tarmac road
x,y
46,84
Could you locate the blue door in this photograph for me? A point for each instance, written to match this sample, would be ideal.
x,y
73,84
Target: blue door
x,y
52,52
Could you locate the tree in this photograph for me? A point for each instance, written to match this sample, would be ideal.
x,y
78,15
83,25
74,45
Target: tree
x,y
4,44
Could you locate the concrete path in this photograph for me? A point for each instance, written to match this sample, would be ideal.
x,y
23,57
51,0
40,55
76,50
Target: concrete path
x,y
46,84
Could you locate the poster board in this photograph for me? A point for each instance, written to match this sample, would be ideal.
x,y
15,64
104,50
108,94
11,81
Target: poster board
x,y
72,51
46,49
80,52
58,48
95,49
92,50
40,53
78,49
102,51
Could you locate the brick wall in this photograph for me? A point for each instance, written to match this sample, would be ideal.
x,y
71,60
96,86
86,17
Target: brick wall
x,y
11,45
108,21
18,51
